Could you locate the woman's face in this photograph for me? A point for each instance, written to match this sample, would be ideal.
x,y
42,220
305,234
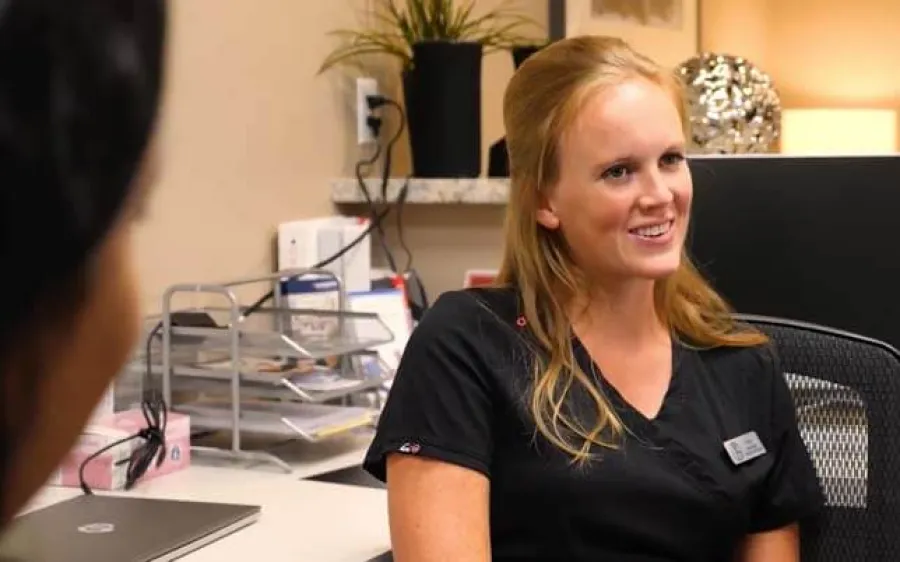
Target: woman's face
x,y
624,192
84,360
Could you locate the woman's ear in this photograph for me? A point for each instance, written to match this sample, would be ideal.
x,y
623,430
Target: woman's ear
x,y
546,215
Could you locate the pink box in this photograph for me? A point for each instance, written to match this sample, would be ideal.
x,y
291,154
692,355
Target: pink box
x,y
108,471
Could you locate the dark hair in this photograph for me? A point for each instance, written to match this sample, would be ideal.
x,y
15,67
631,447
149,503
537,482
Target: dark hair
x,y
80,85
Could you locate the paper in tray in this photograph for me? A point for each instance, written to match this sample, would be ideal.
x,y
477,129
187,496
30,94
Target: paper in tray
x,y
324,380
311,421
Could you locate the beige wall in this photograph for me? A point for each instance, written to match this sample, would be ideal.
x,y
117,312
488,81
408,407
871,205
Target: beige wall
x,y
735,27
251,136
837,53
821,53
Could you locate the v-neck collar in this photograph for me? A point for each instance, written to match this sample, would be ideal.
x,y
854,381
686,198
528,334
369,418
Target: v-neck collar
x,y
670,402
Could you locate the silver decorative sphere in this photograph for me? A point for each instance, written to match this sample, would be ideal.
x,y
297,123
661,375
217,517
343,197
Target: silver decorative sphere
x,y
734,107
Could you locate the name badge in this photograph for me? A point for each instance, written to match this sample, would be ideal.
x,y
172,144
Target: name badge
x,y
744,448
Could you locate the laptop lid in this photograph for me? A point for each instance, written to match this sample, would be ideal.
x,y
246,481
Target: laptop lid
x,y
121,529
351,476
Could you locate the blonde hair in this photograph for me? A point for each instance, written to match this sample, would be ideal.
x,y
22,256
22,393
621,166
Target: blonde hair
x,y
542,100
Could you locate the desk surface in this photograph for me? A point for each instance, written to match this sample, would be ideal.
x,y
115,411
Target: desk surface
x,y
301,520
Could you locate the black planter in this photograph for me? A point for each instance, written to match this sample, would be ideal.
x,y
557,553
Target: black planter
x,y
522,52
442,92
498,158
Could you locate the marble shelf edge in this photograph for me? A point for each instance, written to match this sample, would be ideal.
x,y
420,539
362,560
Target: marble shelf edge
x,y
426,191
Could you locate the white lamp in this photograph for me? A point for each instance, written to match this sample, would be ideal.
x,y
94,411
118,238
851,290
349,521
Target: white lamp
x,y
838,131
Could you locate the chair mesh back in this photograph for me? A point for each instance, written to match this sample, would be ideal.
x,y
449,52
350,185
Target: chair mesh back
x,y
847,393
835,427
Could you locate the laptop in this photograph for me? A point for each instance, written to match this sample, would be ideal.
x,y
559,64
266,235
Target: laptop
x,y
351,476
121,529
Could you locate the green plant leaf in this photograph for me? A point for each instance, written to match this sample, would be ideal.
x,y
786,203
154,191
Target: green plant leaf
x,y
418,14
462,15
399,24
345,54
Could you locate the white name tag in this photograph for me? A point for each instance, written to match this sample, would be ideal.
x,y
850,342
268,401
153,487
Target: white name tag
x,y
744,448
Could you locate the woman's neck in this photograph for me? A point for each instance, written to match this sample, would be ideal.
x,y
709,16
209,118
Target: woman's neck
x,y
625,314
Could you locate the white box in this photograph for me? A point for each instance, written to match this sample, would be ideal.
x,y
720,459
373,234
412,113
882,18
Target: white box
x,y
304,243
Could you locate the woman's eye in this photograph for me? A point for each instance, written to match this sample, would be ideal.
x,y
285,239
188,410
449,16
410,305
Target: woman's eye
x,y
672,159
615,173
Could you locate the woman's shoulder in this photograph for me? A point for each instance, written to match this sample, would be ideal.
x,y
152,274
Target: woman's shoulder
x,y
477,324
758,357
748,371
466,309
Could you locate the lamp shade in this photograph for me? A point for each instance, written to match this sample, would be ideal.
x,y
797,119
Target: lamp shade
x,y
838,131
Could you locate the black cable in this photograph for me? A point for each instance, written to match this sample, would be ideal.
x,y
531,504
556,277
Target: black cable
x,y
154,434
258,304
373,211
385,179
377,218
416,294
401,240
374,103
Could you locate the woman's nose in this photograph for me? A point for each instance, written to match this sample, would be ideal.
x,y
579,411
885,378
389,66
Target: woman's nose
x,y
656,190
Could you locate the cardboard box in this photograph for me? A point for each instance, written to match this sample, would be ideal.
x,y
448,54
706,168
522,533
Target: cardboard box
x,y
108,471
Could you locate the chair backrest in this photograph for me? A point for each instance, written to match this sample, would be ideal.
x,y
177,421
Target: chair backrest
x,y
846,389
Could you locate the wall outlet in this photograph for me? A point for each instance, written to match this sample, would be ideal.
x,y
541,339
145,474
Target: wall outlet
x,y
364,87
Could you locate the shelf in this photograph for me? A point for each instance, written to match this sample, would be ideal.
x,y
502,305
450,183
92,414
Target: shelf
x,y
456,191
307,387
296,373
423,191
311,422
347,332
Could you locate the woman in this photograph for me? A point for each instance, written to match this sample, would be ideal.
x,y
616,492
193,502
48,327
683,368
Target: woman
x,y
580,411
79,90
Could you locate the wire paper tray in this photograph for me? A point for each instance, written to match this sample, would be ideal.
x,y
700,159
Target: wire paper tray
x,y
312,422
280,388
259,336
311,382
270,370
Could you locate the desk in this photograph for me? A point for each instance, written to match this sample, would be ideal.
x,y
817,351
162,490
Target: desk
x,y
301,521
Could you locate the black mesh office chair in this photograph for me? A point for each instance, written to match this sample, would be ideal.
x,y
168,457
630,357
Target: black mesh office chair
x,y
847,392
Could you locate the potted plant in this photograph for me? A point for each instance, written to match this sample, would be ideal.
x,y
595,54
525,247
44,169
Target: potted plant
x,y
498,157
440,45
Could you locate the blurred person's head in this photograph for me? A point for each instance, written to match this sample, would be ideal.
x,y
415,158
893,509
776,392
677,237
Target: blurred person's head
x,y
79,90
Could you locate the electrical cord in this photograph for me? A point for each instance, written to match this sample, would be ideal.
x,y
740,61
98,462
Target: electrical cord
x,y
401,239
153,435
261,301
376,217
417,297
373,211
375,102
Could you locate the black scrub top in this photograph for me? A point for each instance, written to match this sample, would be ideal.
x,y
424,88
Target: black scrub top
x,y
669,492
